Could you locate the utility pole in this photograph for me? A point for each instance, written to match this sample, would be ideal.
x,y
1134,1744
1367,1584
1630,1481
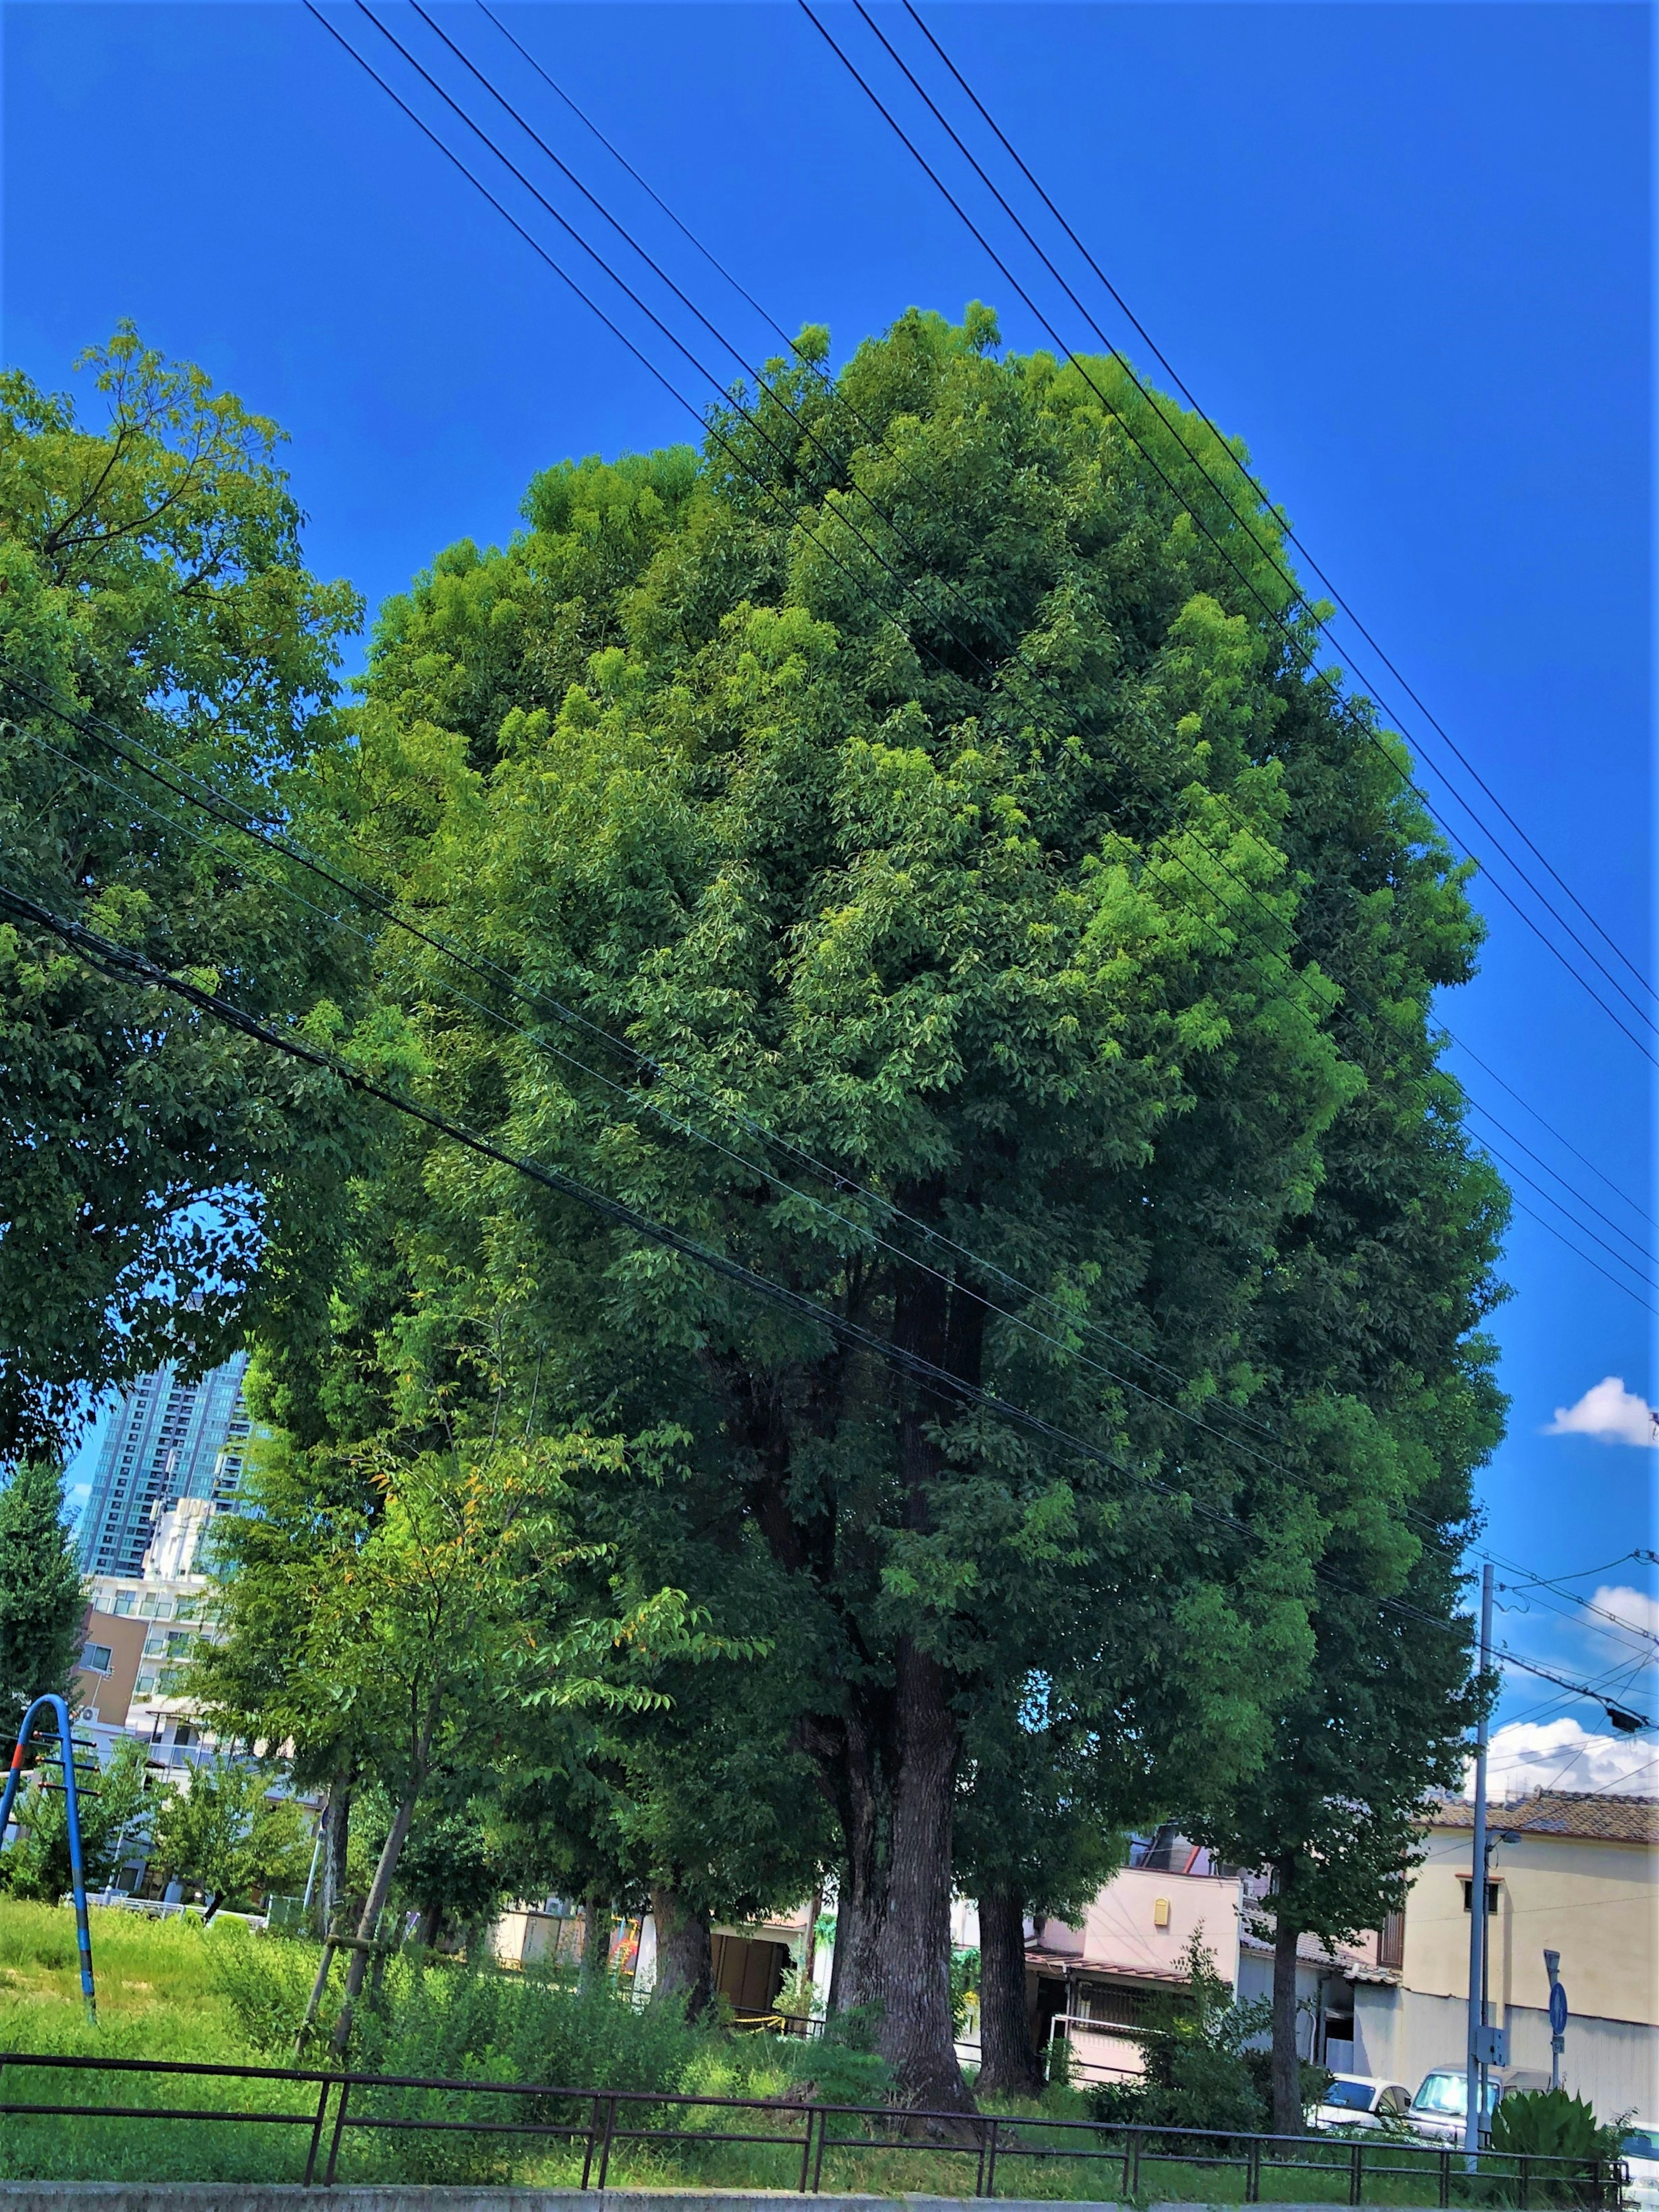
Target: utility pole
x,y
1477,2038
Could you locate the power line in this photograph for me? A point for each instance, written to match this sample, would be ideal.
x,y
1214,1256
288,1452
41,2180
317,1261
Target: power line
x,y
840,400
1564,1142
1260,496
545,256
1635,1242
1288,629
216,808
903,582
1245,522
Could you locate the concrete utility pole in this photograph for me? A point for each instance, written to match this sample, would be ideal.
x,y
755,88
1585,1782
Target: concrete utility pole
x,y
1477,2038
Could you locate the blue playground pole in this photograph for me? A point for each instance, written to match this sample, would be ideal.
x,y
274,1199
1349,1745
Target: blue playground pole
x,y
71,1799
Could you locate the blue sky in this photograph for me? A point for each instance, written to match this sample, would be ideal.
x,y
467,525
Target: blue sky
x,y
1403,249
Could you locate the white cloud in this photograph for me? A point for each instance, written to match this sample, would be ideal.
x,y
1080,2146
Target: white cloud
x,y
1637,1609
1528,1755
1610,1411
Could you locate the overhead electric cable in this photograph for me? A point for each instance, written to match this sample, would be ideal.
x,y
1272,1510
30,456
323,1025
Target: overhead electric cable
x,y
545,256
827,383
123,964
904,583
1635,1242
1258,494
1319,676
228,814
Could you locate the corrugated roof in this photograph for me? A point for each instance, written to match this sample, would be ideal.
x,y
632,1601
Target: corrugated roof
x,y
1562,1813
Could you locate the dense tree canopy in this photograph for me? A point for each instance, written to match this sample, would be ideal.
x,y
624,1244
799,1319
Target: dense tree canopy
x,y
150,576
917,867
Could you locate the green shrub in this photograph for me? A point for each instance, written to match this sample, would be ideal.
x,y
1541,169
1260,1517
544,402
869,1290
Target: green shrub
x,y
1199,2072
1549,2123
263,1982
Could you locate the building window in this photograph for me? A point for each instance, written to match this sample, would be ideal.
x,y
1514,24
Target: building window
x,y
96,1658
1492,1888
155,1645
144,1685
147,1604
1391,1939
123,1604
178,1646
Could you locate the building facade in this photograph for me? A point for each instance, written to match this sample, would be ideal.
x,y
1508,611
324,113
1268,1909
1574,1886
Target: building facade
x,y
1577,1873
170,1441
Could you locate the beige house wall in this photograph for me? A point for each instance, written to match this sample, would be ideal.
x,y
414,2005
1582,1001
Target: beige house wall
x,y
1594,1901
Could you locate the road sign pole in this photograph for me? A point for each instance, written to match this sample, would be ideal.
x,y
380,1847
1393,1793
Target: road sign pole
x,y
1558,2015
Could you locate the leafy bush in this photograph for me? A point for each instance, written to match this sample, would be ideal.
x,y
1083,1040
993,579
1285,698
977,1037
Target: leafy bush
x,y
1199,2072
1549,2123
263,1982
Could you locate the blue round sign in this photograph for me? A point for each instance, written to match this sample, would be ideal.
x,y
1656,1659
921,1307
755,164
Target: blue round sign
x,y
1557,2010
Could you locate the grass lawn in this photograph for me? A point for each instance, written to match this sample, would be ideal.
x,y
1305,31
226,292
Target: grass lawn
x,y
160,1996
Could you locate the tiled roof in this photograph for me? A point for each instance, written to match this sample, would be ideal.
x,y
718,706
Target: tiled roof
x,y
1562,1813
1309,1948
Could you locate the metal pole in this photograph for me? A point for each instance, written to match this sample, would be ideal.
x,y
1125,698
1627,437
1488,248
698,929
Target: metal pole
x,y
56,1706
1478,1892
1557,2042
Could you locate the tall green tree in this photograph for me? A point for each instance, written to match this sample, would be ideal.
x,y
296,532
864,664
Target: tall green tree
x,y
1042,898
42,1599
1336,1814
151,575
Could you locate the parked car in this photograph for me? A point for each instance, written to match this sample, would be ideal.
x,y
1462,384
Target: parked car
x,y
1441,2107
1362,2100
1639,2148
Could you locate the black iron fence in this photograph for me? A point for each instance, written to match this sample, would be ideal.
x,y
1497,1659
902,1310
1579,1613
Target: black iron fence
x,y
805,2141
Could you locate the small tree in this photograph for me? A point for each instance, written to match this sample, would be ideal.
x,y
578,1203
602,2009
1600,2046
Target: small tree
x,y
418,1617
117,1811
1336,1814
225,1833
41,1598
1194,2042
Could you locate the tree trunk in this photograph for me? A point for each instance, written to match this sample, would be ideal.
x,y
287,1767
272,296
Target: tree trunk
x,y
916,2034
887,1758
1288,2118
685,1955
367,1926
596,1943
334,1845
1009,2067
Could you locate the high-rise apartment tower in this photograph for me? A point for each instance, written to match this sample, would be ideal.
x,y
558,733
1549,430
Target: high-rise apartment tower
x,y
169,1440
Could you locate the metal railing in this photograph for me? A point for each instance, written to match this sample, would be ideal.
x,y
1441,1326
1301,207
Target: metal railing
x,y
599,2123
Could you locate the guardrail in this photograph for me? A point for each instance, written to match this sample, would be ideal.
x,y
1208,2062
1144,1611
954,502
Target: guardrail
x,y
600,2122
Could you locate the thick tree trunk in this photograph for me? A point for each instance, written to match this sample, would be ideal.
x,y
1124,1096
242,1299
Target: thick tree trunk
x,y
887,1760
916,2034
596,1943
1288,2118
685,1956
1009,2067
